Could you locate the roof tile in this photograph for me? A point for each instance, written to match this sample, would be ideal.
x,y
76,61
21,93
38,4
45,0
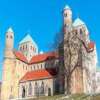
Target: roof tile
x,y
39,74
20,56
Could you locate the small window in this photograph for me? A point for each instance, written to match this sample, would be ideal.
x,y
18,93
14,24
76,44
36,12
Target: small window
x,y
65,15
11,36
42,88
37,66
81,31
30,89
41,66
23,47
76,32
31,47
26,47
34,67
36,89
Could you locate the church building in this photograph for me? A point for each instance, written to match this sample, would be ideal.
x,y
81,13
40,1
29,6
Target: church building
x,y
28,73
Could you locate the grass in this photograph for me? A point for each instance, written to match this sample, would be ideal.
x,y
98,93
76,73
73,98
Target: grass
x,y
71,97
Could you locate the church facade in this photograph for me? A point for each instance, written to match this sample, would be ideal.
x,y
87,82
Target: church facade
x,y
28,73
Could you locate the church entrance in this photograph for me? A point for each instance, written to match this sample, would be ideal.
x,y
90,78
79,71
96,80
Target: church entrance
x,y
23,92
49,91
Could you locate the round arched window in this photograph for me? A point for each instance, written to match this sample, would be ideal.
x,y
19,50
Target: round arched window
x,y
65,14
11,37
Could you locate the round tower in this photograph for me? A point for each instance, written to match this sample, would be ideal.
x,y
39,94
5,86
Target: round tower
x,y
67,13
8,67
9,42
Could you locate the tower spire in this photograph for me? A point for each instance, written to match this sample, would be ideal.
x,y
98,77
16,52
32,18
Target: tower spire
x,y
10,30
9,43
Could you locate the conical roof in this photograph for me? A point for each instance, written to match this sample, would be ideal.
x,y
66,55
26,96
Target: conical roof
x,y
67,7
10,30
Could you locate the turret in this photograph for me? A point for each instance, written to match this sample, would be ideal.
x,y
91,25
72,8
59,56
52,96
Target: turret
x,y
67,13
9,42
8,74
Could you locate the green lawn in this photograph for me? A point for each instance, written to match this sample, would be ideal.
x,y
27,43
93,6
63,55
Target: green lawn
x,y
72,97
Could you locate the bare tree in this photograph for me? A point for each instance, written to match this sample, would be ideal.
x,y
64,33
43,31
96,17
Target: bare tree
x,y
71,44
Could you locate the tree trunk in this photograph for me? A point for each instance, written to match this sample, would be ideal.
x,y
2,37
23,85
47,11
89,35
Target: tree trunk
x,y
68,85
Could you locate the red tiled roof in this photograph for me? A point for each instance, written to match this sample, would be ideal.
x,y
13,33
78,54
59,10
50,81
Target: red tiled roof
x,y
20,56
37,58
39,74
43,57
91,45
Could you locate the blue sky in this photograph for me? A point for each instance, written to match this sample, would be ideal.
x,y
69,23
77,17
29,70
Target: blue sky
x,y
43,19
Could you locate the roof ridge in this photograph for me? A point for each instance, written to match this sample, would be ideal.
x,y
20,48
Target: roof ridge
x,y
38,74
35,59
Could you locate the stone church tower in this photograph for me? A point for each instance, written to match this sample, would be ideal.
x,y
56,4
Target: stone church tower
x,y
8,66
72,60
28,47
67,21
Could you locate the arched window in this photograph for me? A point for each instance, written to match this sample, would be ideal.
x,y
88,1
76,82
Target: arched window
x,y
31,67
34,67
31,47
26,67
23,47
42,88
41,66
11,36
26,46
76,32
23,92
65,15
81,31
36,89
37,66
45,64
30,89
